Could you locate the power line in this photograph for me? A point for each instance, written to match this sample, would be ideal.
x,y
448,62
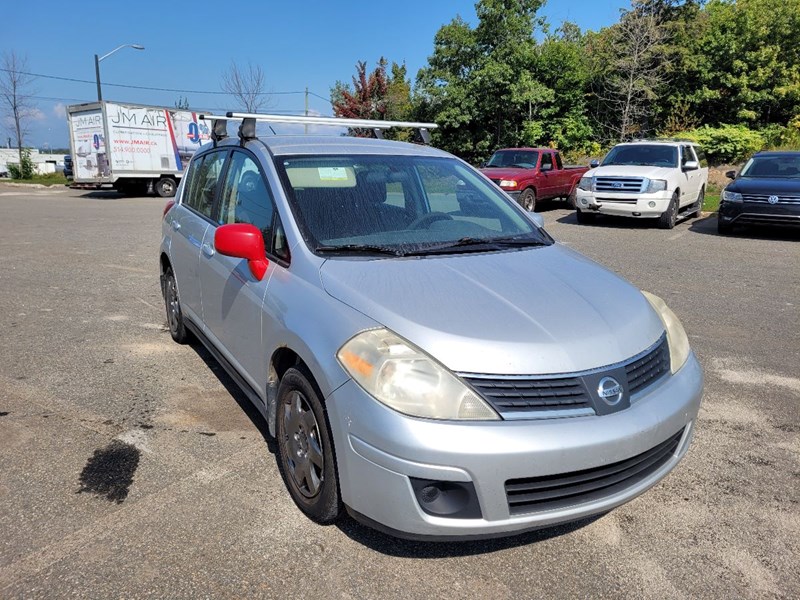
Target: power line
x,y
155,89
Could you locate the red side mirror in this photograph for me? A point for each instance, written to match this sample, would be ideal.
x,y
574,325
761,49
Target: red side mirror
x,y
241,240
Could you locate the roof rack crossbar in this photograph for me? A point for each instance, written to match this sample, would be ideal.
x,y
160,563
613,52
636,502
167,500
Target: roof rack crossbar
x,y
332,121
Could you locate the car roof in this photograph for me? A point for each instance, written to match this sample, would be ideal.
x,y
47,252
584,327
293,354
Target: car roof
x,y
288,145
778,153
659,142
527,148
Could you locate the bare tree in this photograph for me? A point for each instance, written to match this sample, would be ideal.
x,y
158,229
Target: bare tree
x,y
247,86
16,95
635,74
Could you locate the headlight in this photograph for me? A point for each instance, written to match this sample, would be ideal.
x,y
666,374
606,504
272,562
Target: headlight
x,y
731,196
677,339
404,378
508,183
656,185
585,184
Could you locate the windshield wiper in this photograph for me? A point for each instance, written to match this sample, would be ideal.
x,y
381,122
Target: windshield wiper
x,y
470,244
359,249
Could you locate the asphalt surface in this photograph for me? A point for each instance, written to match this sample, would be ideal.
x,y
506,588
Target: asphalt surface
x,y
132,467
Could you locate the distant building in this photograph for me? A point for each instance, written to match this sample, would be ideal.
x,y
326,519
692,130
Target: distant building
x,y
43,163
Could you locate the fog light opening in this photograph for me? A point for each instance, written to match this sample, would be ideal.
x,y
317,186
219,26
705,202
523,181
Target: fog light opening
x,y
584,202
452,499
651,204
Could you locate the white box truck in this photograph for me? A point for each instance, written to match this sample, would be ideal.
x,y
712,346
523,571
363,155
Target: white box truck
x,y
133,147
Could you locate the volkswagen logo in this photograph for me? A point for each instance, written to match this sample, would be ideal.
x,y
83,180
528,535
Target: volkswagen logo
x,y
610,390
773,199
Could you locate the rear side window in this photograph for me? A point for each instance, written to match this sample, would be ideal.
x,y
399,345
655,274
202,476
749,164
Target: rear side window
x,y
204,177
701,156
559,164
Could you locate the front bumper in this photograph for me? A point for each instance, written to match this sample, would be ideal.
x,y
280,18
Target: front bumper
x,y
642,205
378,451
759,213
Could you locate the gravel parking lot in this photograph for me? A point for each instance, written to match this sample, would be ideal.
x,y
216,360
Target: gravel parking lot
x,y
132,467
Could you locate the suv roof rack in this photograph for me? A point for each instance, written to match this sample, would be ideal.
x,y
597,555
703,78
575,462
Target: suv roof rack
x,y
247,129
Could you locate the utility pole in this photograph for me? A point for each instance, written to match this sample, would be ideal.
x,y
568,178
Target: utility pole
x,y
305,127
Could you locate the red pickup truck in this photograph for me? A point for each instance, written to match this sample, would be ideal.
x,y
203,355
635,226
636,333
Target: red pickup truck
x,y
533,174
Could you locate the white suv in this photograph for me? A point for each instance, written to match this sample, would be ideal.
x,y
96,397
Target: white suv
x,y
653,179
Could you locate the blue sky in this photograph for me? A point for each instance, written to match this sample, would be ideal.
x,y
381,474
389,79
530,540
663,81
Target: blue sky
x,y
189,45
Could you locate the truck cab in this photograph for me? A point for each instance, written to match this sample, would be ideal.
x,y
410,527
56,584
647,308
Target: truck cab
x,y
530,175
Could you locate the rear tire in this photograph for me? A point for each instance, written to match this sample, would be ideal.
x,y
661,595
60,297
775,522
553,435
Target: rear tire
x,y
305,448
669,217
177,328
166,187
527,200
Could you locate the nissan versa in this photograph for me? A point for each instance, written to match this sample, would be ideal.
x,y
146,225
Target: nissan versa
x,y
427,356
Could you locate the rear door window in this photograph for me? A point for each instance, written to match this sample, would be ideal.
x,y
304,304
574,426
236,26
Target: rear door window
x,y
547,162
203,181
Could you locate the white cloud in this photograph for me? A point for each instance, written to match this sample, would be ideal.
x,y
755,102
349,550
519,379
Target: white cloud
x,y
36,115
60,111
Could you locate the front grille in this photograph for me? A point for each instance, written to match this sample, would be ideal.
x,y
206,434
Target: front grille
x,y
764,199
645,370
619,200
619,184
506,395
550,492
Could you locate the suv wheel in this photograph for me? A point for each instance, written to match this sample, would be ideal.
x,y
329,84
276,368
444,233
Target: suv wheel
x,y
670,216
177,328
697,209
305,448
572,199
528,200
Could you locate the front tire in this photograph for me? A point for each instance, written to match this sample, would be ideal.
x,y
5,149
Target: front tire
x,y
572,199
669,217
527,200
305,448
584,217
697,210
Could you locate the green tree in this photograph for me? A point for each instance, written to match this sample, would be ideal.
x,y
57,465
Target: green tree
x,y
750,66
375,95
474,86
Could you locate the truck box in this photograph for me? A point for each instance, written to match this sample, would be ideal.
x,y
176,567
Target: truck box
x,y
133,147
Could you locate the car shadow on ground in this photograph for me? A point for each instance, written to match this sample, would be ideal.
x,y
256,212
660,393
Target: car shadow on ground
x,y
612,222
392,546
236,393
708,226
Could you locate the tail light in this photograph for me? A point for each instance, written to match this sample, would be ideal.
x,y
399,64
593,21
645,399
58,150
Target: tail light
x,y
170,204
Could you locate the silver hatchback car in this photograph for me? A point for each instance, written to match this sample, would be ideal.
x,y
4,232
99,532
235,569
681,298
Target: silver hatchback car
x,y
428,358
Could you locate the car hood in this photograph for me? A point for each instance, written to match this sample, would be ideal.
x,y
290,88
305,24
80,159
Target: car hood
x,y
764,186
522,312
506,172
631,171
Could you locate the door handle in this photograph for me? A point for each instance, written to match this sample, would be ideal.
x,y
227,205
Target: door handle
x,y
208,250
175,225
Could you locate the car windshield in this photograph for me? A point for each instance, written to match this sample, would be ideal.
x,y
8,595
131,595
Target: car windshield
x,y
524,159
781,167
645,155
401,206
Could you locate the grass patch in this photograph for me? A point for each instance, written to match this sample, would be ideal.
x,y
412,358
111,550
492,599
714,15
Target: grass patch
x,y
711,202
49,179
